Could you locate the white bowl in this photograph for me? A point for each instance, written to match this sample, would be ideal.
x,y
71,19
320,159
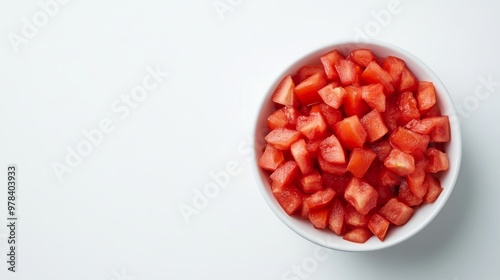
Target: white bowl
x,y
424,214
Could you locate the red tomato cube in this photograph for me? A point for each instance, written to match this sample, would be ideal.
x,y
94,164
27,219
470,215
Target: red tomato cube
x,y
382,149
348,72
394,66
307,71
358,235
277,120
399,162
361,196
285,174
292,115
336,219
290,199
312,126
407,196
331,150
307,90
374,74
409,142
438,161
319,218
282,138
320,199
354,103
311,182
374,96
388,178
332,95
396,212
441,131
359,161
362,56
336,182
330,115
332,168
350,132
378,226
355,219
416,179
426,95
374,125
271,159
284,93
408,107
408,81
434,189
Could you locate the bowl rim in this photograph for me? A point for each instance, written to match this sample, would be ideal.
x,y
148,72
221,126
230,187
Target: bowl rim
x,y
455,130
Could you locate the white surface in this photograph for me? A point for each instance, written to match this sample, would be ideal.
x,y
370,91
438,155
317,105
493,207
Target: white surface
x,y
116,215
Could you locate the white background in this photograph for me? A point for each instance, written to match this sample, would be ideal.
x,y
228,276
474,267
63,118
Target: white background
x,y
116,215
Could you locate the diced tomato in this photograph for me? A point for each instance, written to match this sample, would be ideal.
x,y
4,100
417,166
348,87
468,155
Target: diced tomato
x,y
355,219
304,209
311,182
329,61
374,96
307,71
433,111
438,161
320,199
312,126
394,66
354,103
307,90
407,196
374,126
319,218
336,182
358,235
350,132
378,226
331,150
362,56
271,158
409,142
426,95
408,107
284,93
359,161
371,176
277,120
399,162
434,189
361,196
416,179
382,149
332,95
290,199
375,74
423,126
301,156
282,138
336,220
408,81
396,212
441,131
348,72
330,115
332,168
285,174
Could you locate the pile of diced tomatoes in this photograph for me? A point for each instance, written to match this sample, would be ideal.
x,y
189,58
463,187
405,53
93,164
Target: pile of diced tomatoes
x,y
356,144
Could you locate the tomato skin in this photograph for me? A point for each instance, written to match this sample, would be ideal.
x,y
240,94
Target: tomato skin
x,y
284,93
351,133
